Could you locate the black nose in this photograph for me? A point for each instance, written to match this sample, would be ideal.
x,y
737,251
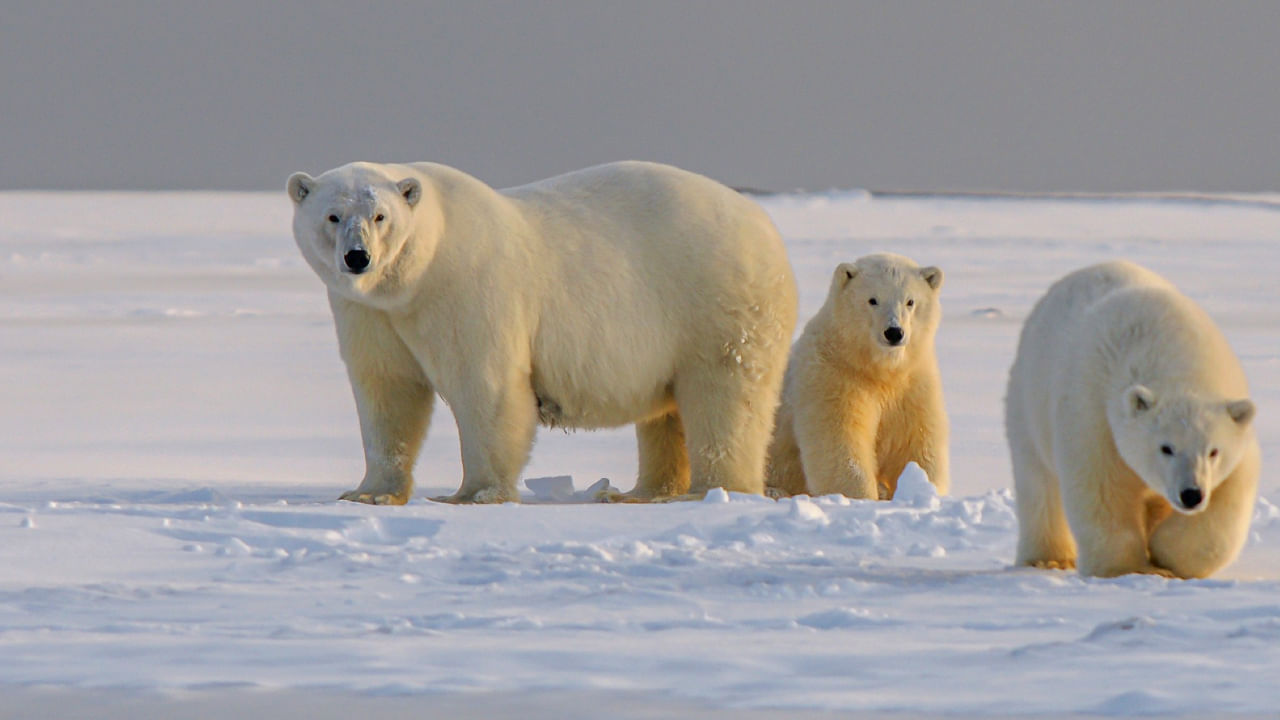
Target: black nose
x,y
893,335
1190,497
357,260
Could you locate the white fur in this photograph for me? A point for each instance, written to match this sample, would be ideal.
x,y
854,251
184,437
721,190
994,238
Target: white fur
x,y
855,409
624,293
1124,395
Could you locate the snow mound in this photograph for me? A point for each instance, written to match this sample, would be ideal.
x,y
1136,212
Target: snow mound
x,y
914,488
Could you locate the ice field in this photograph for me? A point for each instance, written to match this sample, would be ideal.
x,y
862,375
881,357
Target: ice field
x,y
176,425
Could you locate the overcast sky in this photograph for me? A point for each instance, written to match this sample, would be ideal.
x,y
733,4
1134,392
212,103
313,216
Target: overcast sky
x,y
237,94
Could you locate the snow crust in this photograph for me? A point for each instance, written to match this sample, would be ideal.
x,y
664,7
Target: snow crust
x,y
177,424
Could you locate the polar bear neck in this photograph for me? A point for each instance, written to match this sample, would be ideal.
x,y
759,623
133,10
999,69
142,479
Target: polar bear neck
x,y
462,213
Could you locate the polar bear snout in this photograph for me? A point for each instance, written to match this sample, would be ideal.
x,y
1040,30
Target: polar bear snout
x,y
1190,483
355,260
894,336
1190,498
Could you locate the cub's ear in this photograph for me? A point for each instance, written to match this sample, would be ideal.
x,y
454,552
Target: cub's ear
x,y
1139,399
1242,411
300,186
932,275
844,273
410,190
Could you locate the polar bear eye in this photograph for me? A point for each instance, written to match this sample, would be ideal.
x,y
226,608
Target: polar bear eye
x,y
911,303
1213,453
1167,450
333,219
872,301
378,218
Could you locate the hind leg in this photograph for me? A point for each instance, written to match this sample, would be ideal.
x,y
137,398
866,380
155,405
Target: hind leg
x,y
727,421
664,461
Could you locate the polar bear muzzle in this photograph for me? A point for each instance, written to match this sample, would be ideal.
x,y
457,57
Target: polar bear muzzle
x,y
356,260
1190,498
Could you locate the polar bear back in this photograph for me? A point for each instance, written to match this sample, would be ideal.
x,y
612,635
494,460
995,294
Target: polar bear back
x,y
603,224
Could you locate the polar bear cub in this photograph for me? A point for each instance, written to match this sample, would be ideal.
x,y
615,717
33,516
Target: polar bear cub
x,y
862,395
624,293
1130,430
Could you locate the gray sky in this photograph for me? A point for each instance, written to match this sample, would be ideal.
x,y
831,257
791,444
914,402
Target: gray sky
x,y
1100,96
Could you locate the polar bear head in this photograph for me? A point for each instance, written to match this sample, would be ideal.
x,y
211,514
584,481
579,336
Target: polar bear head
x,y
353,225
888,302
1181,445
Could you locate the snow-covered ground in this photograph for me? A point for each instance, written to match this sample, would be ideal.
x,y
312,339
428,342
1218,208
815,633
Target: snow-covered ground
x,y
176,423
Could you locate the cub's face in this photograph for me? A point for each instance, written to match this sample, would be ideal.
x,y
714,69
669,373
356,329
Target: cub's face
x,y
353,226
888,302
1181,446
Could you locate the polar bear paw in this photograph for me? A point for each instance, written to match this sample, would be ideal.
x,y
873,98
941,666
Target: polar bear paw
x,y
613,496
487,496
369,498
1069,564
1157,570
610,495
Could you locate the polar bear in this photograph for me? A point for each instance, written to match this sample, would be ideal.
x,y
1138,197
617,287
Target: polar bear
x,y
862,395
624,293
1130,430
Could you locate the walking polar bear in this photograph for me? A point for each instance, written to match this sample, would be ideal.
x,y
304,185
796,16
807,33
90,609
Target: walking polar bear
x,y
624,293
1130,430
862,395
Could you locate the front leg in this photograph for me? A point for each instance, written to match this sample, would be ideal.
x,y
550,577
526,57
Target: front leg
x,y
496,430
836,435
922,436
1107,513
393,400
1196,546
393,423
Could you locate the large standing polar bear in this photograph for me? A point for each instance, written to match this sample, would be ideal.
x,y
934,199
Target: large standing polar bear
x,y
624,293
1130,430
862,395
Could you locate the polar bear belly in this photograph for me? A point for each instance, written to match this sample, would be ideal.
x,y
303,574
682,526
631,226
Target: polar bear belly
x,y
604,377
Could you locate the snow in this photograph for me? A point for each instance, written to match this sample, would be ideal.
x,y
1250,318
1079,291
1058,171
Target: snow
x,y
177,425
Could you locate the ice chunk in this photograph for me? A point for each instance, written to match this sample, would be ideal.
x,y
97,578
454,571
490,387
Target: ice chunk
x,y
557,487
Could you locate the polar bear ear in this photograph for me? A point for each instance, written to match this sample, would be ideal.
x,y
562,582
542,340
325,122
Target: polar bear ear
x,y
932,275
1242,411
844,273
411,190
300,186
1139,399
